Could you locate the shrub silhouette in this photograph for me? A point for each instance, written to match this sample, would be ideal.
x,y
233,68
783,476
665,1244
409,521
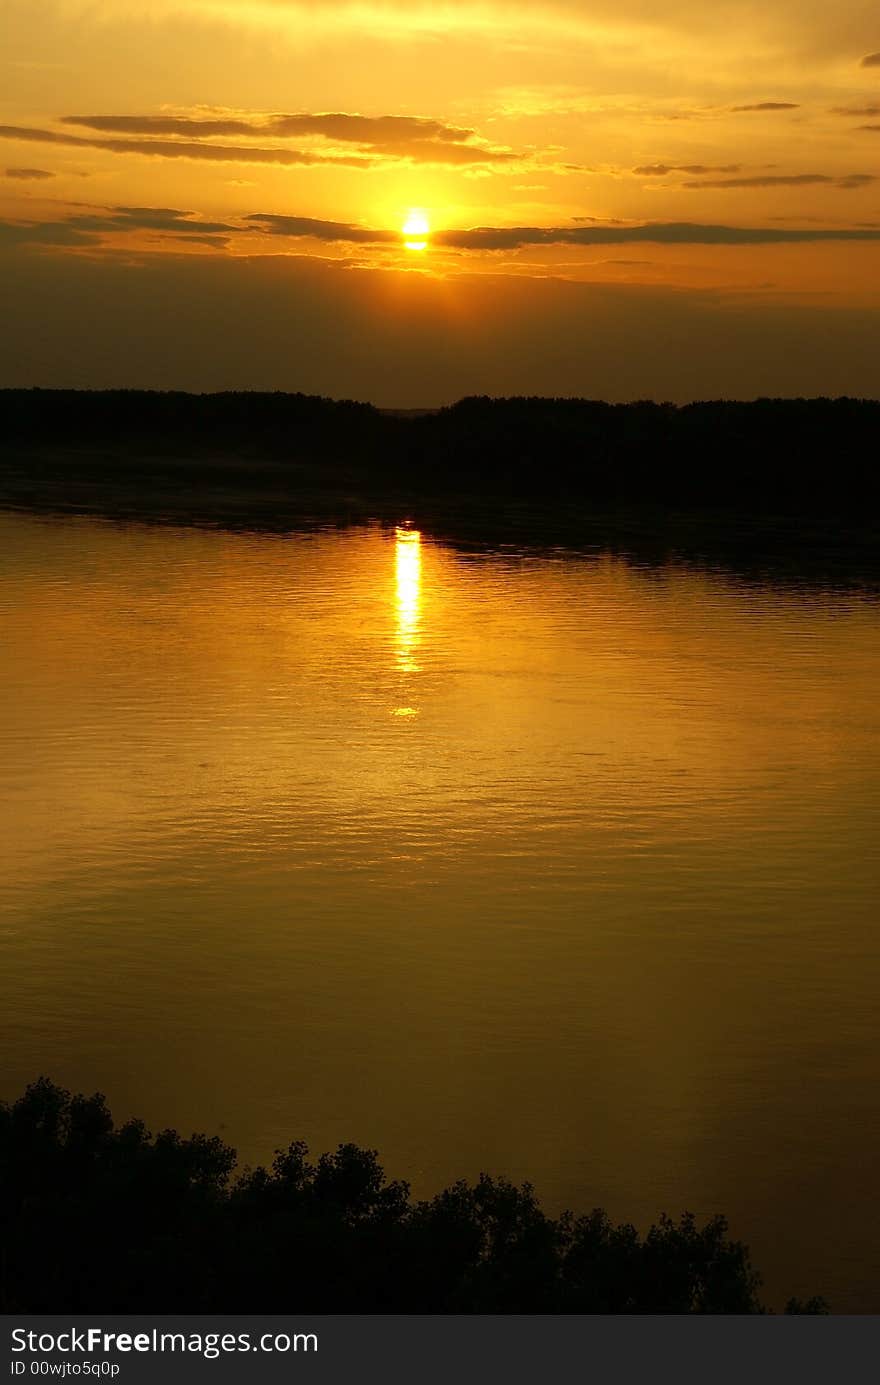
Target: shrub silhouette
x,y
99,1217
762,457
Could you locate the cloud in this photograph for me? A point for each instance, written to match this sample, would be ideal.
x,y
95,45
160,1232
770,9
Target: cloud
x,y
769,106
869,127
518,237
29,174
151,219
378,130
437,152
819,221
661,170
790,180
664,233
60,233
870,60
180,149
215,242
413,138
855,110
87,228
855,180
306,226
163,125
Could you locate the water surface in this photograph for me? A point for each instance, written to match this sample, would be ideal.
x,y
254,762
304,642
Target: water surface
x,y
548,864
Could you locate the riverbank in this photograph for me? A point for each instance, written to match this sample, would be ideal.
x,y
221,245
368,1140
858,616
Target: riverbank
x,y
250,493
790,487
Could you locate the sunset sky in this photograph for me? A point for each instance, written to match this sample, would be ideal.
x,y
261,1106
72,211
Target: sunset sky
x,y
623,200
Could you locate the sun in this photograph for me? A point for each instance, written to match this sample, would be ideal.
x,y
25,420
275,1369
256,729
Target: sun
x,y
415,230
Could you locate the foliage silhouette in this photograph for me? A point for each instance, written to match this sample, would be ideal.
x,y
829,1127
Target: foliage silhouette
x,y
99,1217
768,456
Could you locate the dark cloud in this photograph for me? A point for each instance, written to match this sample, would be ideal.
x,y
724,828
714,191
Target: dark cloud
x,y
440,152
769,106
224,153
215,242
817,220
29,135
164,125
446,148
306,226
180,149
29,174
60,233
87,228
871,60
666,233
869,127
790,180
518,237
856,180
399,136
855,110
379,130
372,130
661,170
150,219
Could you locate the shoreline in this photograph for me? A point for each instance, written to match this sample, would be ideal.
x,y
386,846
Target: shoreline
x,y
238,493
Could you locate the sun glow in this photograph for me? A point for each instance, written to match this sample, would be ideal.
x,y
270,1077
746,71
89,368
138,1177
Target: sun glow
x,y
415,231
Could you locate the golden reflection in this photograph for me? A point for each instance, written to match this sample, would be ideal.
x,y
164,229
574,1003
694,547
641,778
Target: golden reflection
x,y
408,601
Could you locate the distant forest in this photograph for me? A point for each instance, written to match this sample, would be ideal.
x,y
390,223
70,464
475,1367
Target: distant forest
x,y
102,1218
766,457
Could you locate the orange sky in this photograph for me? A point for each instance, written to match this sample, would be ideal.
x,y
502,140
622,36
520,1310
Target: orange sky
x,y
708,176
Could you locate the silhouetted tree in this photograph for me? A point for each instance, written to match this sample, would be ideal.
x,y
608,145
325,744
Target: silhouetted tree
x,y
98,1217
765,457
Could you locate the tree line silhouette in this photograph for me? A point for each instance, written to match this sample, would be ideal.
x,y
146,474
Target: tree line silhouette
x,y
766,456
95,1216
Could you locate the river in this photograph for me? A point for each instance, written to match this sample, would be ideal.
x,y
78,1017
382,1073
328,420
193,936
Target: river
x,y
554,864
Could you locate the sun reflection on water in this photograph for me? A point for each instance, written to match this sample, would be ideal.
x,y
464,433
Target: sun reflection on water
x,y
408,601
